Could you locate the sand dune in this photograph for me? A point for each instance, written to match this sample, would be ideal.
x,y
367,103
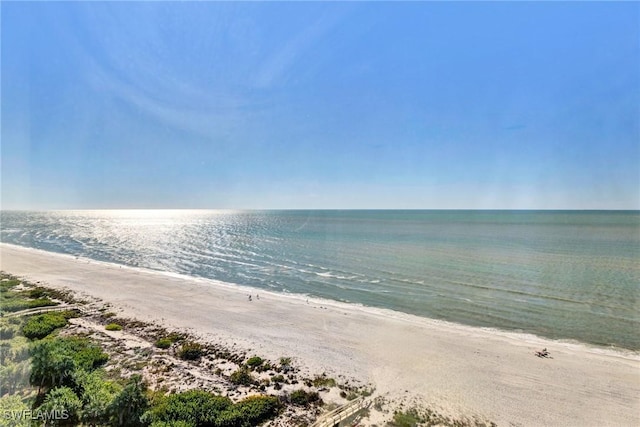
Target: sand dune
x,y
458,369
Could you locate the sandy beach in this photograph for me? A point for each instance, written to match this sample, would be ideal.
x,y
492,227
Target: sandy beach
x,y
458,369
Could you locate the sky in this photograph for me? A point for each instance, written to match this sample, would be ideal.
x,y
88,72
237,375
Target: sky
x,y
328,105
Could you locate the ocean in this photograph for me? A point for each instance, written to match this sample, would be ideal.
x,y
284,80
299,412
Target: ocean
x,y
570,275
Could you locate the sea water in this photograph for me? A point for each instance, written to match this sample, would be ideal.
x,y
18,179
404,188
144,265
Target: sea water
x,y
560,274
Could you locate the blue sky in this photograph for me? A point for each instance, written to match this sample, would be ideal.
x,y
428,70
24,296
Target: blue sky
x,y
497,105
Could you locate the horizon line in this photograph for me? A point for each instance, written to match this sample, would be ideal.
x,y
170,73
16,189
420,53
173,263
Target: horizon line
x,y
319,209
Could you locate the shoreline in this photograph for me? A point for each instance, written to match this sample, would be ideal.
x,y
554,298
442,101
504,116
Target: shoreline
x,y
342,305
461,369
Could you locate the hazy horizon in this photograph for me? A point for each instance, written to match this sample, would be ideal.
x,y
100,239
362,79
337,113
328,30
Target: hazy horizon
x,y
316,209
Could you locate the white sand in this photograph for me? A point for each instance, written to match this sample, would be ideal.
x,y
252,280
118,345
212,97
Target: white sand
x,y
458,369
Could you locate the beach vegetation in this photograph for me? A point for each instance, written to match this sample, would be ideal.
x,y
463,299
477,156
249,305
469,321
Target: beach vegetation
x,y
379,403
12,300
55,362
86,355
14,320
242,376
14,375
97,395
20,351
164,343
8,282
409,418
196,407
255,362
42,292
37,327
62,400
250,411
4,352
352,395
14,404
37,292
278,378
323,381
200,408
178,423
191,351
176,337
285,361
427,417
366,392
66,372
7,332
130,404
113,327
301,397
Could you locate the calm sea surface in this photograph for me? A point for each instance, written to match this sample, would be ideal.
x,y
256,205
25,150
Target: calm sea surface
x,y
559,274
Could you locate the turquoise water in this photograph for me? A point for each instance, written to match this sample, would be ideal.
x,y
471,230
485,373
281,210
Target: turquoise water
x,y
560,274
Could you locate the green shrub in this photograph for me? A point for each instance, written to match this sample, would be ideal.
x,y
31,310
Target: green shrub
x,y
113,327
13,403
40,326
278,378
190,351
8,284
254,410
352,395
63,400
41,292
20,353
41,302
130,404
16,304
97,395
323,381
230,418
285,361
9,305
176,336
255,361
406,419
70,314
303,398
7,332
164,343
55,362
37,292
195,407
201,408
242,377
88,356
85,354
